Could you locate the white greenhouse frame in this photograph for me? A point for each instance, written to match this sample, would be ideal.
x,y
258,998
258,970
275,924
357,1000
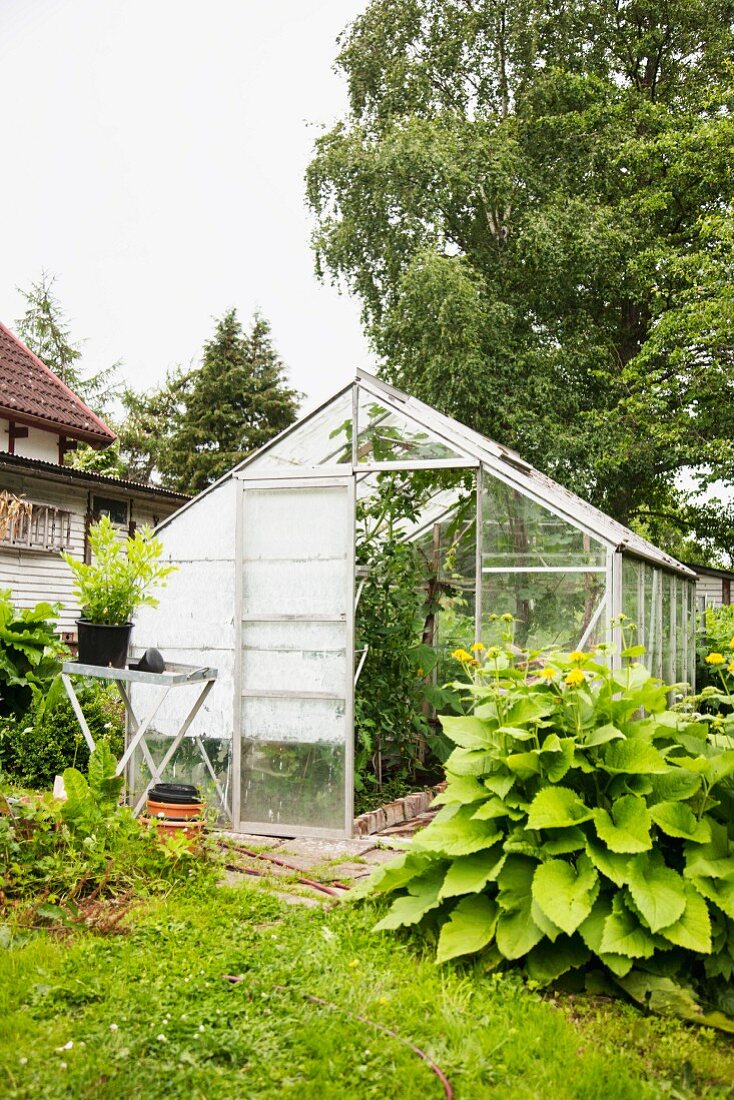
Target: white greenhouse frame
x,y
637,578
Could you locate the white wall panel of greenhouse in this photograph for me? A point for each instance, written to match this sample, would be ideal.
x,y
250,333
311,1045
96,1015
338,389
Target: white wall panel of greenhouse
x,y
271,569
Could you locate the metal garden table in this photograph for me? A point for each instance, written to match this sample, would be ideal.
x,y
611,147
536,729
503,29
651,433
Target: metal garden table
x,y
174,676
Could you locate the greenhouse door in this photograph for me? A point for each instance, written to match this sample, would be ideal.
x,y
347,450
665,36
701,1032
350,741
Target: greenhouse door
x,y
295,681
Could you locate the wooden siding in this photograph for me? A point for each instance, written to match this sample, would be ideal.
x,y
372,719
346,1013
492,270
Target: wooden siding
x,y
711,590
35,575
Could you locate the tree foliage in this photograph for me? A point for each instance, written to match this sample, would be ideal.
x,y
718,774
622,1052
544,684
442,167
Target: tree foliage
x,y
201,423
533,205
44,328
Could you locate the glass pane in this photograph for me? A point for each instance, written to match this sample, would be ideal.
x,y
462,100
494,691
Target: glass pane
x,y
205,762
691,632
297,546
322,439
386,436
564,610
293,783
632,574
299,656
520,533
295,549
683,627
668,641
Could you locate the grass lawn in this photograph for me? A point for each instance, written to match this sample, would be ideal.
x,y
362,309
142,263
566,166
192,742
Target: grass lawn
x,y
148,1015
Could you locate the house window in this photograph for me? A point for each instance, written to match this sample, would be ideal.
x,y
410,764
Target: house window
x,y
117,510
39,527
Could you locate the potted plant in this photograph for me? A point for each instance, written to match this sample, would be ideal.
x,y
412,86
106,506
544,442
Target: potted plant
x,y
118,580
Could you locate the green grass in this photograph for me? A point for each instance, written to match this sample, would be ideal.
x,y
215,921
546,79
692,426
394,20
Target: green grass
x,y
150,1016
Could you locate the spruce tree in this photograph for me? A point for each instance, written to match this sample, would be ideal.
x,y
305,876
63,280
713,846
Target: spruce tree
x,y
238,399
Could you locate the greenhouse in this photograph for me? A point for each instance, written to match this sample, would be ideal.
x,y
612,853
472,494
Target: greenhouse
x,y
276,563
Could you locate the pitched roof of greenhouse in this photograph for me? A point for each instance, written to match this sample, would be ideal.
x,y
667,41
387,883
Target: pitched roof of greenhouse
x,y
437,440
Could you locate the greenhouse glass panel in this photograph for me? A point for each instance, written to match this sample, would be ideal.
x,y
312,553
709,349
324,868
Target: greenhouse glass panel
x,y
668,629
632,582
564,610
384,435
296,656
520,533
325,438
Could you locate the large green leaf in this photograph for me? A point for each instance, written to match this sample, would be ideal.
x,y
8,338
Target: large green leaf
x,y
469,761
712,768
517,932
496,807
524,764
719,891
463,789
612,864
470,874
675,785
557,808
592,933
413,907
564,841
467,732
564,893
459,836
547,961
470,927
624,935
712,860
657,891
677,819
602,735
693,929
393,875
628,829
104,784
560,761
501,785
633,758
530,708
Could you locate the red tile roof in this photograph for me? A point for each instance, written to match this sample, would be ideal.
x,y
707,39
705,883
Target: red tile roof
x,y
30,393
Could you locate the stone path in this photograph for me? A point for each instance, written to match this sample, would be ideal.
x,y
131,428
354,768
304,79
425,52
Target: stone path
x,y
322,861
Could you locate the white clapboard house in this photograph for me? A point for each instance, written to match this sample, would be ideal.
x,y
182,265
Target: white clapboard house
x,y
41,421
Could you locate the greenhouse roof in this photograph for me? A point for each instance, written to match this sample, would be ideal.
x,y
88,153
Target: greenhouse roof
x,y
390,421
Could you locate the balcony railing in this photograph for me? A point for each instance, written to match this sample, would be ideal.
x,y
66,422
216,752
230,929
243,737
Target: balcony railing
x,y
40,527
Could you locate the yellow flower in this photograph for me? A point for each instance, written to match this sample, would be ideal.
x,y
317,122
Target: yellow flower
x,y
574,677
461,655
731,644
478,647
548,673
420,673
730,667
507,617
577,655
715,659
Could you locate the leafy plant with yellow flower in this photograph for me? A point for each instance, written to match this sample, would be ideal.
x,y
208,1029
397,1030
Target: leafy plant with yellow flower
x,y
587,825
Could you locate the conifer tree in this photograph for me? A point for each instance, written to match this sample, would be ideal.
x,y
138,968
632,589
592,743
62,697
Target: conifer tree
x,y
236,401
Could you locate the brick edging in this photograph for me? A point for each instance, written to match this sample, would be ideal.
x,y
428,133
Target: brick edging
x,y
395,813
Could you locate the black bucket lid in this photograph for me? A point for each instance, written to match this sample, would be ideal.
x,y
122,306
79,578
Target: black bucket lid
x,y
182,793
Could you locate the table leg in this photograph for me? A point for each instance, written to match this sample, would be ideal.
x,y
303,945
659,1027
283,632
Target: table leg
x,y
78,711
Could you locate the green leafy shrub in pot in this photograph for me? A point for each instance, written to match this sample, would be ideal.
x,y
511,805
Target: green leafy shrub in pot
x,y
29,653
121,575
47,740
585,826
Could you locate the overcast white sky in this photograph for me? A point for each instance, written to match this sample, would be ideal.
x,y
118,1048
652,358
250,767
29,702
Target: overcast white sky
x,y
153,154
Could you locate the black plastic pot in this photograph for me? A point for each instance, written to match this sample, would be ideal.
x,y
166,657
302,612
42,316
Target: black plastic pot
x,y
182,794
103,643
